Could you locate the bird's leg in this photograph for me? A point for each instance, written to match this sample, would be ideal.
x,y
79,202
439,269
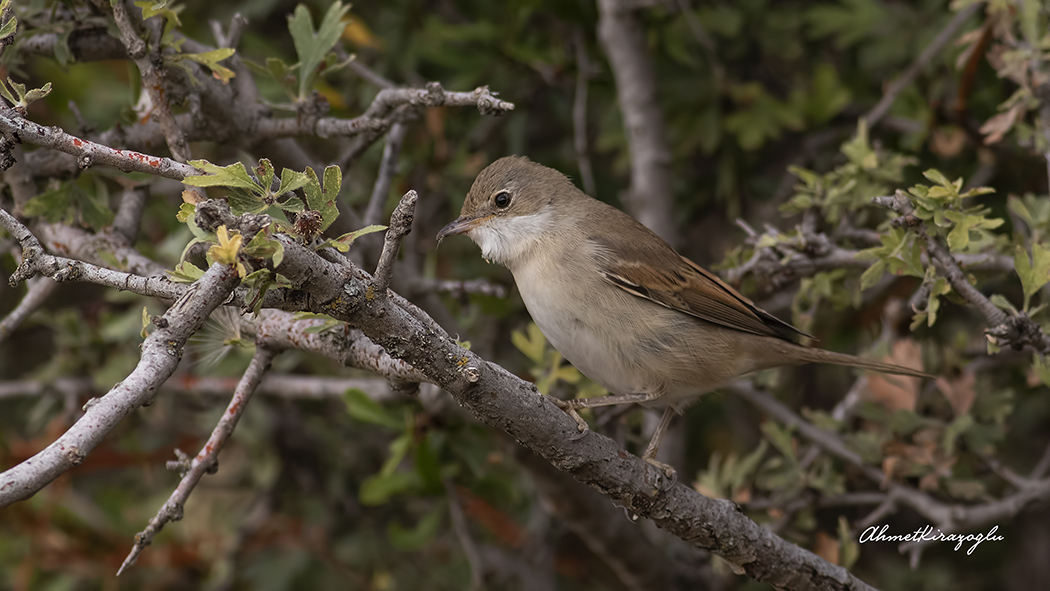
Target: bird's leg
x,y
654,446
571,406
571,411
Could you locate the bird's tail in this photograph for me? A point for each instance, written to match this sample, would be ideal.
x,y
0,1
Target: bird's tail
x,y
814,355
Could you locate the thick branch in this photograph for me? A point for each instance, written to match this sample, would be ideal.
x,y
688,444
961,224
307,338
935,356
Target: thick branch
x,y
502,400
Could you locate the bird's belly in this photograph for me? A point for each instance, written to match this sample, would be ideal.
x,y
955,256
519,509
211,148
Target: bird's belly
x,y
660,352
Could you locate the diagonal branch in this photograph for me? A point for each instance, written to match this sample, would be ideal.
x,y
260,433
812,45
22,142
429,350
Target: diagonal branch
x,y
207,459
40,289
894,89
161,352
1016,330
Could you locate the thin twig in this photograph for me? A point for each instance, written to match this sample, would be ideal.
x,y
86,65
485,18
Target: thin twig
x,y
388,167
459,525
152,83
89,153
129,213
207,459
579,114
456,288
947,33
369,74
39,289
705,41
400,226
1016,329
37,262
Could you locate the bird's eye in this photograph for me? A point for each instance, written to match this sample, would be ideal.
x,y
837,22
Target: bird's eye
x,y
502,199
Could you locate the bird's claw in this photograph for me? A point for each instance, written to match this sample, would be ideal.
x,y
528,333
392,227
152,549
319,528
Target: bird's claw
x,y
570,410
669,473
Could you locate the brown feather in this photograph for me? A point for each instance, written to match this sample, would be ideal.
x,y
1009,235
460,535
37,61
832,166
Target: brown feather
x,y
654,271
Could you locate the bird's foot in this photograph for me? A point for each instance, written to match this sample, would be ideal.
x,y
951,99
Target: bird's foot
x,y
570,409
666,471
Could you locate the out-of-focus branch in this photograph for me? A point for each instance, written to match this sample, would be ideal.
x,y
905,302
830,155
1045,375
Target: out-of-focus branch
x,y
943,38
579,114
387,170
650,198
705,40
39,289
152,82
470,549
947,517
129,213
455,288
287,386
207,459
85,45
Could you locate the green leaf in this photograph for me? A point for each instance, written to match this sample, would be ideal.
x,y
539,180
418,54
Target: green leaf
x,y
211,59
54,205
1034,274
872,274
532,343
827,96
342,243
366,410
378,489
398,450
263,247
187,211
1001,302
312,46
185,272
10,25
292,180
234,175
410,540
781,439
145,322
849,549
1041,369
427,464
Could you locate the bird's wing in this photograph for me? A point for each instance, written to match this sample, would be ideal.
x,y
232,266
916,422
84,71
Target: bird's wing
x,y
654,271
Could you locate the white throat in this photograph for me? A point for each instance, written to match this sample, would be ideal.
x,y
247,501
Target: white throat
x,y
507,240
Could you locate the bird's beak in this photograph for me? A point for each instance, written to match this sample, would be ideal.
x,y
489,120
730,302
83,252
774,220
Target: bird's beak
x,y
461,225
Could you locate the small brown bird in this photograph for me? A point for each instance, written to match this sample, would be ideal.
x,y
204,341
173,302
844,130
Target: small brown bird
x,y
618,302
